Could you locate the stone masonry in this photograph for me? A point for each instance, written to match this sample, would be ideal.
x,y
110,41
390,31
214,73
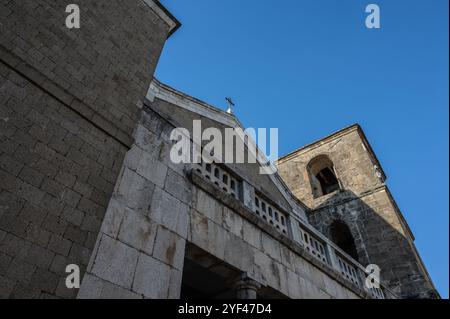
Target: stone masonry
x,y
86,178
365,204
157,208
69,103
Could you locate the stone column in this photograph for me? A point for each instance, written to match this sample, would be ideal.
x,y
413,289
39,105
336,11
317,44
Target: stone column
x,y
247,288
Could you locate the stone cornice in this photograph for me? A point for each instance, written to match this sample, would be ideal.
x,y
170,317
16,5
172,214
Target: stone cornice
x,y
164,14
175,97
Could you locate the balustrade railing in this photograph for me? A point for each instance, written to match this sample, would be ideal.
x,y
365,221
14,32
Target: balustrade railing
x,y
270,214
221,178
377,293
348,270
314,246
313,241
323,249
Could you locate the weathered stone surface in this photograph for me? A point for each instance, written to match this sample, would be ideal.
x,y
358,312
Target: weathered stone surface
x,y
169,248
91,287
178,186
96,288
135,191
20,271
152,278
115,262
60,245
86,175
164,157
232,222
293,285
111,291
251,234
175,284
363,204
6,287
113,218
70,104
248,194
208,206
147,141
40,257
169,211
207,235
133,157
239,254
138,231
44,280
271,247
152,169
5,261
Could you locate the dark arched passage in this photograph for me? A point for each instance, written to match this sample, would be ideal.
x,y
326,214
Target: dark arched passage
x,y
340,234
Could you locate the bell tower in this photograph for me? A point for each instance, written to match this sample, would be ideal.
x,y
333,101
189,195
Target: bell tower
x,y
342,182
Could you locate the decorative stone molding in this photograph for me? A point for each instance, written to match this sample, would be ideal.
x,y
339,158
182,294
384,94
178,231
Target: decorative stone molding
x,y
165,15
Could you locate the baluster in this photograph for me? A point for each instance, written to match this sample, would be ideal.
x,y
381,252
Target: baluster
x,y
333,262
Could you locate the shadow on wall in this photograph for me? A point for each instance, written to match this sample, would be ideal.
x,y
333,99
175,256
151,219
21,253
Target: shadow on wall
x,y
359,230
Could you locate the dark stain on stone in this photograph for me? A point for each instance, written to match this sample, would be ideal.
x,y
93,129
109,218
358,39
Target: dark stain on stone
x,y
170,253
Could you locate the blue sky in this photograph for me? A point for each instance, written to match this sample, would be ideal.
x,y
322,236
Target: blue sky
x,y
311,67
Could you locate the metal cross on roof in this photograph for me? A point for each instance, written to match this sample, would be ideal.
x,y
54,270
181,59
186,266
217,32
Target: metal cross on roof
x,y
230,105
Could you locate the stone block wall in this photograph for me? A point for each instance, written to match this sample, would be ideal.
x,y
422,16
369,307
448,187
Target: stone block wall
x,y
223,233
69,103
107,64
365,205
140,248
57,172
157,210
353,165
380,239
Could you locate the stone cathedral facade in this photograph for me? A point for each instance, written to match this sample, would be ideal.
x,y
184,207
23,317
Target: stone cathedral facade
x,y
86,179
